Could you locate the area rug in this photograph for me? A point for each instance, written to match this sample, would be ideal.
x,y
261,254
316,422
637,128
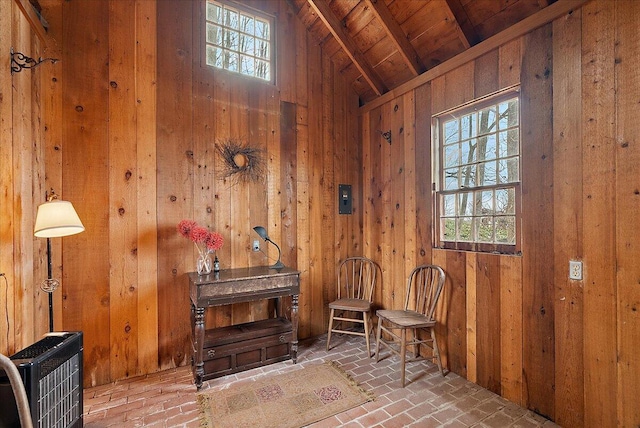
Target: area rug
x,y
288,400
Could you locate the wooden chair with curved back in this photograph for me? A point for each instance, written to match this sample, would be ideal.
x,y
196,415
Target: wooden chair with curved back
x,y
355,284
424,287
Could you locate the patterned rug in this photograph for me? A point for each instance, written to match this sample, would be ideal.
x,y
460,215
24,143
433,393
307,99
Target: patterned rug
x,y
288,400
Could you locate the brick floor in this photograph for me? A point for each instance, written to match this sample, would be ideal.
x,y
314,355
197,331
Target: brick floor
x,y
168,398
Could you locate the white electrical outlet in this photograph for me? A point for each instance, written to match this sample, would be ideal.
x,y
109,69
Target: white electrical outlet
x,y
256,245
575,270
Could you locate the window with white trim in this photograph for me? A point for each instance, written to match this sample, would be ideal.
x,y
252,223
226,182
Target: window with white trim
x,y
239,40
478,184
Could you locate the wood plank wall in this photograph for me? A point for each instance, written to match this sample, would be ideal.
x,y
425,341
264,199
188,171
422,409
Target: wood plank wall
x,y
517,325
133,120
128,136
23,306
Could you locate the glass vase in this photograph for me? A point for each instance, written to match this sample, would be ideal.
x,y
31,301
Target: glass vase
x,y
203,264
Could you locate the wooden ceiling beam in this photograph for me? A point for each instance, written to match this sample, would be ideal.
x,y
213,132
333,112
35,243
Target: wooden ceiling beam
x,y
544,16
329,19
397,36
466,32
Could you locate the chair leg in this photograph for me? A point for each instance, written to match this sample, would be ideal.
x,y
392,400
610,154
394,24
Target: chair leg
x,y
403,352
416,346
436,351
330,328
378,335
365,319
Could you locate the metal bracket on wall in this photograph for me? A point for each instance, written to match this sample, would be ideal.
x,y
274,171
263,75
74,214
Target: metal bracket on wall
x,y
20,61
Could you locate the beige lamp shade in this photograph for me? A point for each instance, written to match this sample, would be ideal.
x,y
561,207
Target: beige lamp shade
x,y
57,218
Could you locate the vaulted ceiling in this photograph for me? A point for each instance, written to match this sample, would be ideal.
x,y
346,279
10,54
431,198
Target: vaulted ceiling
x,y
380,44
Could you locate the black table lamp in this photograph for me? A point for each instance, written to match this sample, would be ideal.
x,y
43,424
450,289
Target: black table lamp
x,y
263,234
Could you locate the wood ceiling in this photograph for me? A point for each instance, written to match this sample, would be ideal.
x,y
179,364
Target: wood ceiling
x,y
380,44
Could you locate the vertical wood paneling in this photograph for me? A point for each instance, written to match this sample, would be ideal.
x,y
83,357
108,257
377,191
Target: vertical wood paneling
x,y
122,184
627,207
568,231
511,350
423,175
85,121
599,207
485,74
175,159
472,316
24,104
488,322
146,188
7,177
537,226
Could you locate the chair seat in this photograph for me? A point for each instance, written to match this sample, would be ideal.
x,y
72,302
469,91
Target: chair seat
x,y
406,318
358,305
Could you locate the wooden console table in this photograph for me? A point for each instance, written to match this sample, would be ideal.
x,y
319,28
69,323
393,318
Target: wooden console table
x,y
222,351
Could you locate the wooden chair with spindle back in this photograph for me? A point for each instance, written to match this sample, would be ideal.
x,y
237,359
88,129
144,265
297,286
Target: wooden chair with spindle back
x,y
355,284
424,288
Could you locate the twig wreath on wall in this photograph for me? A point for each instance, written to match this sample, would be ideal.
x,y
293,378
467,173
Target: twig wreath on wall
x,y
240,161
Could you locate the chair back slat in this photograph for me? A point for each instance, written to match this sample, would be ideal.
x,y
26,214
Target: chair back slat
x,y
424,287
356,278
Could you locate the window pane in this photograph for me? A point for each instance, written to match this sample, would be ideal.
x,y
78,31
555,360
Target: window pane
x,y
487,120
451,132
487,147
465,232
214,12
468,176
469,126
487,174
214,34
451,179
230,40
505,201
246,44
508,111
508,170
231,61
247,65
465,204
468,149
484,202
484,229
451,155
231,18
448,228
509,143
214,56
262,29
246,24
262,49
506,230
449,205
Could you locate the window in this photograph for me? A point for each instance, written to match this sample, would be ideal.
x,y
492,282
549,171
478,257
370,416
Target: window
x,y
239,41
477,190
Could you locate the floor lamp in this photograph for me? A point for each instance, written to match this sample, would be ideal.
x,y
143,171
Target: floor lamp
x,y
55,219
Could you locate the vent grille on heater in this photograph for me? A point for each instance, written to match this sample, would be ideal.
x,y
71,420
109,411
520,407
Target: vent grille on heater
x,y
51,370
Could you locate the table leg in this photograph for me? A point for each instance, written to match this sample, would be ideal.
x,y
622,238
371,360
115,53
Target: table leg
x,y
294,327
198,332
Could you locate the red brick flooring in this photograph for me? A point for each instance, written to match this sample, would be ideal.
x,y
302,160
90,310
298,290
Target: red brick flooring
x,y
168,398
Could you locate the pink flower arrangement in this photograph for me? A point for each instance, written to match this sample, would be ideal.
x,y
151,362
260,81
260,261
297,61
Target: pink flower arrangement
x,y
212,241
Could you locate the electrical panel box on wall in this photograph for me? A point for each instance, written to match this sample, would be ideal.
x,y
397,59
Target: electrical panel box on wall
x,y
344,199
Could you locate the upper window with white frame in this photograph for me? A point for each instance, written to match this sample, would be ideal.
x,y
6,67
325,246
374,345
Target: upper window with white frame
x,y
478,185
239,40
